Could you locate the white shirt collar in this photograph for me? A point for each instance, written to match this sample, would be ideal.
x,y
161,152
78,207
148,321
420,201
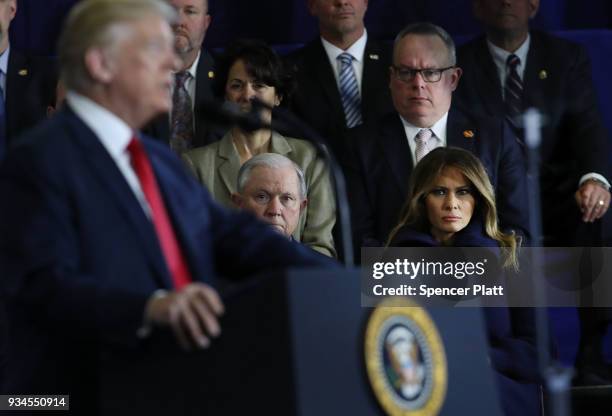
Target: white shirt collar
x,y
500,56
438,129
113,132
194,66
4,60
356,50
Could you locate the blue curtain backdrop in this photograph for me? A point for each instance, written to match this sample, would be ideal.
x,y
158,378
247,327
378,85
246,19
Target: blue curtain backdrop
x,y
287,23
281,22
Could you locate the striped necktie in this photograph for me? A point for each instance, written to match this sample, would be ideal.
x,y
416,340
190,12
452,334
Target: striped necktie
x,y
349,91
513,94
421,140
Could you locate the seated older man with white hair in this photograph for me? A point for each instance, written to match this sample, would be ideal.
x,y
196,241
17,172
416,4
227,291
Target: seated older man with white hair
x,y
273,188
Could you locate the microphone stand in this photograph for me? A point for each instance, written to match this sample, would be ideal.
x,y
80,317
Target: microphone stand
x,y
289,120
556,378
230,115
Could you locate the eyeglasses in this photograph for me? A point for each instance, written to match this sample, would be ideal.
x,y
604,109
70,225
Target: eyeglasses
x,y
428,74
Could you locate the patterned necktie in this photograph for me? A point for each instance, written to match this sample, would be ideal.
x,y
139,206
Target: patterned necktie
x,y
421,140
181,131
513,94
349,91
175,260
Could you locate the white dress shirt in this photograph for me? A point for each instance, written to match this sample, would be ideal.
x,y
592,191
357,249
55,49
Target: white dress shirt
x,y
4,57
356,50
114,134
500,58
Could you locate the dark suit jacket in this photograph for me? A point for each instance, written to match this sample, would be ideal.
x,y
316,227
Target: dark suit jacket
x,y
80,259
204,132
317,99
30,88
382,163
557,81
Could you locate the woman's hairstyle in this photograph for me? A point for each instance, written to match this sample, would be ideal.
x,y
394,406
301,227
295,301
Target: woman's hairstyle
x,y
261,62
423,180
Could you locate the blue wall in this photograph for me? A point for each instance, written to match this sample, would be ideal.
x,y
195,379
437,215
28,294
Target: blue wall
x,y
38,22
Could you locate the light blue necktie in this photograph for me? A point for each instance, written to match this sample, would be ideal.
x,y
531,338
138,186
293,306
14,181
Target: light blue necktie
x,y
349,91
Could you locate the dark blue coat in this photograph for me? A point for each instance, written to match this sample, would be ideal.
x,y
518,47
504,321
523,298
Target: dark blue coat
x,y
510,331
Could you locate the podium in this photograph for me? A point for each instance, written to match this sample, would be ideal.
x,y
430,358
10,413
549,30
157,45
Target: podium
x,y
292,343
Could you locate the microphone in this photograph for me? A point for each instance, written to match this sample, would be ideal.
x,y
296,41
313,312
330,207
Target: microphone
x,y
557,380
229,114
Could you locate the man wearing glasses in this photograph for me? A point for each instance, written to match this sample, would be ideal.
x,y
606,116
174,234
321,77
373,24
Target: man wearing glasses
x,y
422,79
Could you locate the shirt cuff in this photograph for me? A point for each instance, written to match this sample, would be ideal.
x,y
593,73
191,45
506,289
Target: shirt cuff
x,y
595,176
145,329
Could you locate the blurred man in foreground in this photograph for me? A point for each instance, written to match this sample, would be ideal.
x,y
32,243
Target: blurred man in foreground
x,y
105,240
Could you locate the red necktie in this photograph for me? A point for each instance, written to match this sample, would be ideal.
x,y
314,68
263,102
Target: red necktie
x,y
165,233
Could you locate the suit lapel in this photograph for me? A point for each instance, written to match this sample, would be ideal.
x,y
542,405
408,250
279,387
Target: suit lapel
x,y
229,164
107,173
325,76
489,88
204,77
17,78
535,83
373,72
182,224
396,150
460,133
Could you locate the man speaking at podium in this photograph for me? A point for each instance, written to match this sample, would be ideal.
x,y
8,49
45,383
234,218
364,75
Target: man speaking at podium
x,y
104,237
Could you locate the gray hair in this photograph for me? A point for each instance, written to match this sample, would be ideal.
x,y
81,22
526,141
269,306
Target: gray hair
x,y
428,29
98,23
272,161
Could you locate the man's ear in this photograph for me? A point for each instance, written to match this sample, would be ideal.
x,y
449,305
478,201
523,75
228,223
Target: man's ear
x,y
455,77
236,199
207,20
311,5
99,65
303,205
13,9
534,5
477,9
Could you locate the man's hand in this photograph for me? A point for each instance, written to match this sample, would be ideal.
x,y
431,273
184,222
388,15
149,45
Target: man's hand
x,y
593,199
191,313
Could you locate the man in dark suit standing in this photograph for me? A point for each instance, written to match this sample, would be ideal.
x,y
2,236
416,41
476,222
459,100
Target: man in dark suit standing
x,y
26,84
105,239
423,78
511,69
184,128
341,76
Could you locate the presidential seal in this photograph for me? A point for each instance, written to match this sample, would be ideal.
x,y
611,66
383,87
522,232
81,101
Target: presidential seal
x,y
405,359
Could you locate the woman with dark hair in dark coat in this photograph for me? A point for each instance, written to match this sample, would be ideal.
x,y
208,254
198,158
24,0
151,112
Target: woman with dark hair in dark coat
x,y
451,203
